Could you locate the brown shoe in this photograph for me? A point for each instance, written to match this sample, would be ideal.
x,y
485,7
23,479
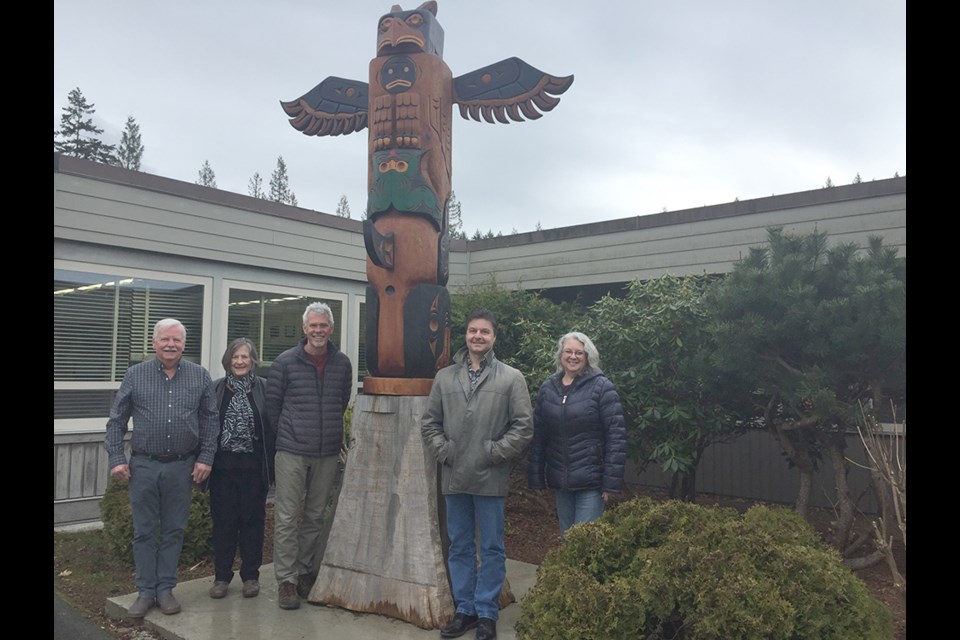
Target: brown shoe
x,y
219,589
288,598
167,603
140,607
305,584
251,588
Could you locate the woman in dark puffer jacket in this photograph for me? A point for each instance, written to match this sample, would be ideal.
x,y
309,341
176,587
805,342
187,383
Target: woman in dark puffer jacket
x,y
579,438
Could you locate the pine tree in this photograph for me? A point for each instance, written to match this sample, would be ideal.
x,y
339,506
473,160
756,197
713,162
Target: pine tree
x,y
205,176
131,149
828,183
255,187
343,207
857,179
78,136
280,185
455,218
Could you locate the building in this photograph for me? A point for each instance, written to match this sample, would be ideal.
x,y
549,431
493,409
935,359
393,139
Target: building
x,y
131,248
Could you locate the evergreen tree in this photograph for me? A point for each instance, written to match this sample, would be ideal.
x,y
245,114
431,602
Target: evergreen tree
x,y
280,185
206,176
343,207
828,183
857,179
455,218
255,187
131,148
78,136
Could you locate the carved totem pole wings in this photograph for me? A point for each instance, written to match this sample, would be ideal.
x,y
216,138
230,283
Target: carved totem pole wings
x,y
510,89
335,106
407,108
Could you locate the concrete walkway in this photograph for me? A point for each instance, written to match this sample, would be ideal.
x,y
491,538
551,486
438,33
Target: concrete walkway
x,y
239,618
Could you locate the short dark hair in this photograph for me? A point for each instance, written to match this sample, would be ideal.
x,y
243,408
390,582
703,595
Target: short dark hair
x,y
232,348
482,314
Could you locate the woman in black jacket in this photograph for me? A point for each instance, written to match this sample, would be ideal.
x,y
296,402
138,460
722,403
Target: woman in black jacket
x,y
579,438
242,470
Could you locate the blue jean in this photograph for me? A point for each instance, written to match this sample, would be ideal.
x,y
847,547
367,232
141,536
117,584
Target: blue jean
x,y
476,589
160,494
574,507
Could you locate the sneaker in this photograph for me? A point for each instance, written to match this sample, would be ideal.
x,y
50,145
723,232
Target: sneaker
x,y
219,589
486,629
460,624
140,607
251,588
305,584
288,598
167,603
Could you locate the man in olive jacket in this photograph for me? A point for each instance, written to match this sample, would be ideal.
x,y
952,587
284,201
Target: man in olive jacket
x,y
308,390
477,423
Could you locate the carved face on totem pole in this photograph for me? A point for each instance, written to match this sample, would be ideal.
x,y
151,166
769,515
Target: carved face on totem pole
x,y
407,107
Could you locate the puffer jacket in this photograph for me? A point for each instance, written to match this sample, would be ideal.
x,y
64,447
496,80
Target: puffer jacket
x,y
306,413
579,439
477,436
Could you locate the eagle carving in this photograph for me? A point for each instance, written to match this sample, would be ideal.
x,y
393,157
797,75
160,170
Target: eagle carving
x,y
407,108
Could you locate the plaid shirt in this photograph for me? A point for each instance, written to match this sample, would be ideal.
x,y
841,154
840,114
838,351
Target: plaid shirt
x,y
170,415
475,375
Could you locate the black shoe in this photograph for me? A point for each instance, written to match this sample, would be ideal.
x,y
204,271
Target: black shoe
x,y
486,629
305,584
460,624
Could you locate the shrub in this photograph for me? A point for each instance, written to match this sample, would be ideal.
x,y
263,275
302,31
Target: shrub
x,y
657,570
118,524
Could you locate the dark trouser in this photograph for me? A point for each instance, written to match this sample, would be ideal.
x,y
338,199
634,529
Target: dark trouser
x,y
160,495
237,499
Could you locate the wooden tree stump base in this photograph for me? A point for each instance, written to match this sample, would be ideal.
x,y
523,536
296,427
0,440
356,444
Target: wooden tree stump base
x,y
385,550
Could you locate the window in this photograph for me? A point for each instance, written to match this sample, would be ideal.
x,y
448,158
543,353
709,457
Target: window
x,y
103,323
274,321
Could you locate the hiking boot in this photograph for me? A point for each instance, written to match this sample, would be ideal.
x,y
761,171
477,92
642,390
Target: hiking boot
x,y
305,584
251,588
288,598
219,589
140,607
167,603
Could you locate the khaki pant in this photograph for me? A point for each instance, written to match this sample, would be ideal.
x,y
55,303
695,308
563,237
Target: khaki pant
x,y
306,479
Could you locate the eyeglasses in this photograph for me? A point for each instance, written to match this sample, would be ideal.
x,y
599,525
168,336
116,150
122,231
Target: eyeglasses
x,y
571,352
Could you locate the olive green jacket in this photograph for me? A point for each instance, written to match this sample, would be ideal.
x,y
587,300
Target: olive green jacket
x,y
477,436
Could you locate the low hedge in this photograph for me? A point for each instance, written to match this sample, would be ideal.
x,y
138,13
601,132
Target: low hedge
x,y
117,520
654,570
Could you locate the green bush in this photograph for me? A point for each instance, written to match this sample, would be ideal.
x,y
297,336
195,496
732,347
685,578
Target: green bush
x,y
118,524
656,570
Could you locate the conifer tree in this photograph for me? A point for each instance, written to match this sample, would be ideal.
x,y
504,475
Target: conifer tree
x,y
280,185
255,187
205,176
131,148
343,207
77,135
455,218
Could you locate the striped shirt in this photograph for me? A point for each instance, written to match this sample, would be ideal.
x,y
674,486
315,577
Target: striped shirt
x,y
170,415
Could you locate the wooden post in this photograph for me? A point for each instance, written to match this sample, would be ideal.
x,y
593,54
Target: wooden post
x,y
385,551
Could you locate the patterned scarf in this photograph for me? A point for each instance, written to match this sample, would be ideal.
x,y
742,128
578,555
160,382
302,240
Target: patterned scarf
x,y
238,424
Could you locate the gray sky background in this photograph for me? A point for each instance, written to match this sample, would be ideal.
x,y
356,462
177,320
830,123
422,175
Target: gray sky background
x,y
676,104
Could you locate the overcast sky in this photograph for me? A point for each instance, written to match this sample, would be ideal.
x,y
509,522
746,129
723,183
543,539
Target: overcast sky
x,y
675,104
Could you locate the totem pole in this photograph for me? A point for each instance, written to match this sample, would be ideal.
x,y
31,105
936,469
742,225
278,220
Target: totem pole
x,y
408,107
385,549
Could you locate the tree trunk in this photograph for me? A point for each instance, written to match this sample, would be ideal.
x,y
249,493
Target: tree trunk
x,y
385,552
846,512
